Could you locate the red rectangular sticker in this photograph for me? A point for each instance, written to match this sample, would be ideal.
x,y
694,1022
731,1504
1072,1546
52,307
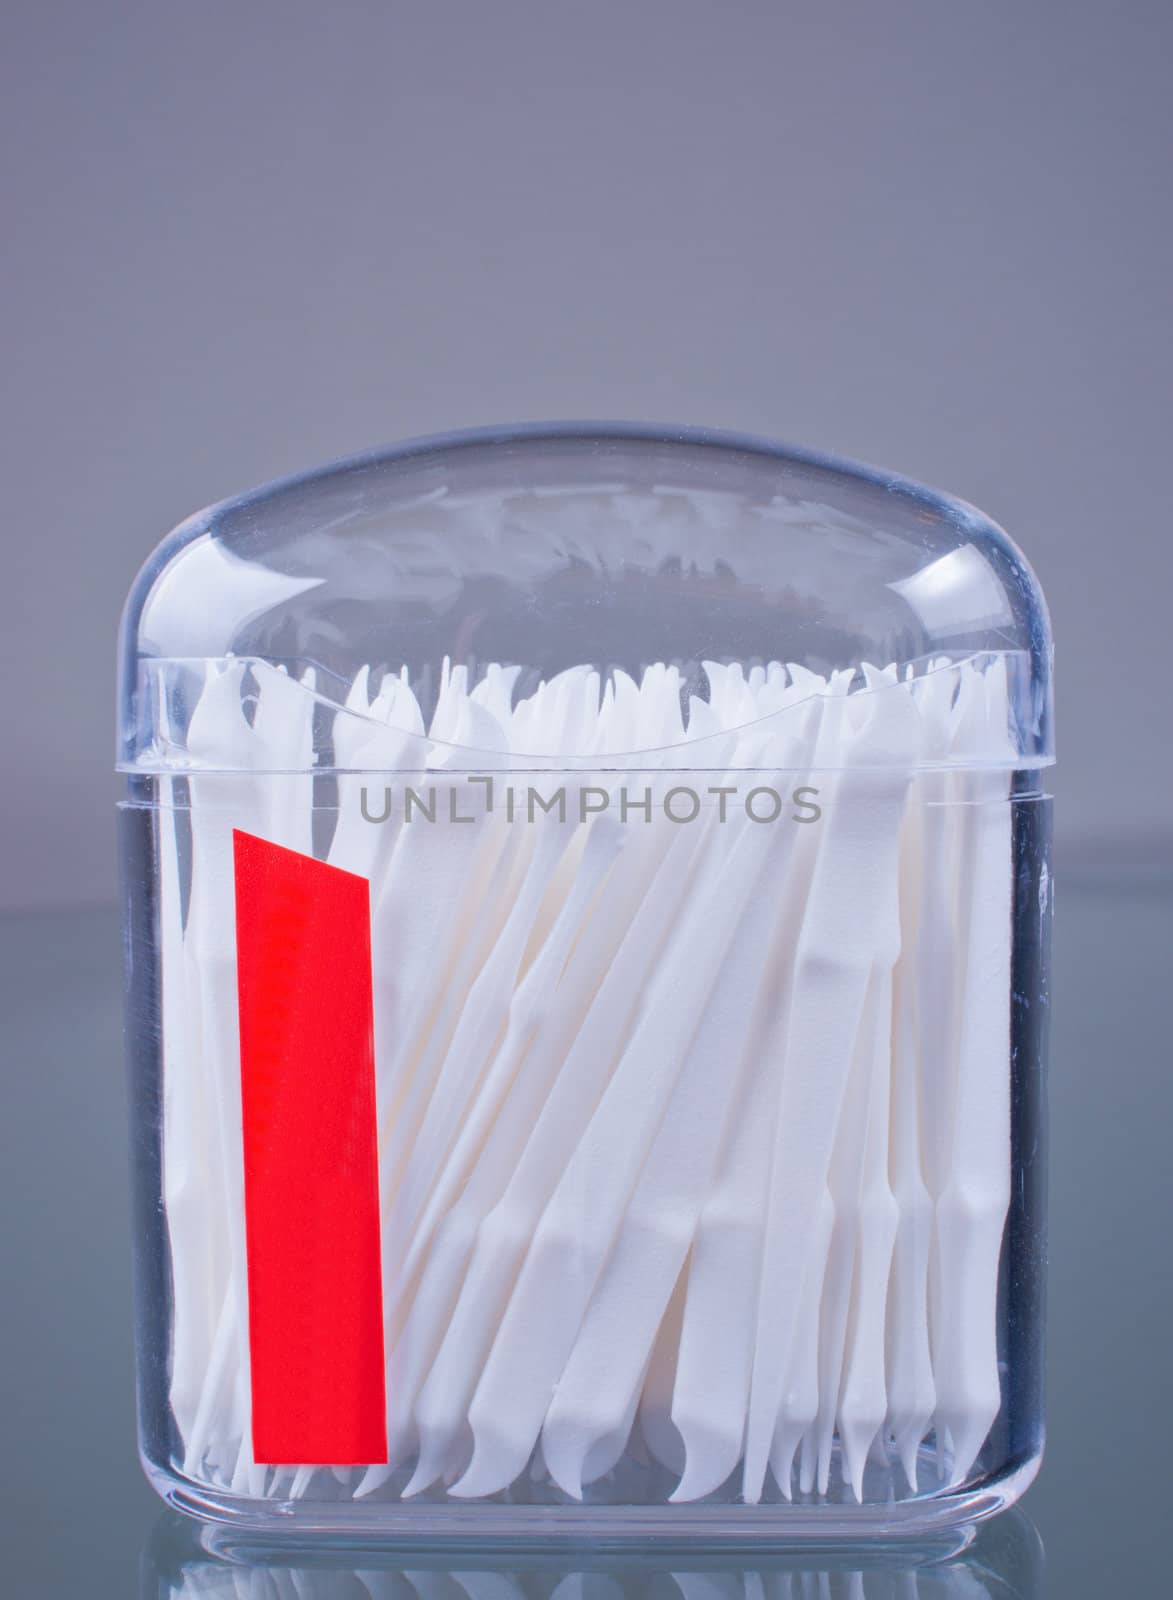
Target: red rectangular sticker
x,y
311,1185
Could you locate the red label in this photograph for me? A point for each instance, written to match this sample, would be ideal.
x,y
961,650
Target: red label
x,y
311,1182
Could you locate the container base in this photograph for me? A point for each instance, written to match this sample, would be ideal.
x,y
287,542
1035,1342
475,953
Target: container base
x,y
951,1514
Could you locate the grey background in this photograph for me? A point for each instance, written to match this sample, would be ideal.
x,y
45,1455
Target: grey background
x,y
244,236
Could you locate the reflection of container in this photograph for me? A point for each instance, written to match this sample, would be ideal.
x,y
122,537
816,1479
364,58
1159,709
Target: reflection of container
x,y
587,902
1003,1560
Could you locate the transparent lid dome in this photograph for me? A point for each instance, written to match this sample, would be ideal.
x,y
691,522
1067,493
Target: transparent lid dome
x,y
578,596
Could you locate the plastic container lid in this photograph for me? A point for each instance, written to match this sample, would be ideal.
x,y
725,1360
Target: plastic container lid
x,y
512,555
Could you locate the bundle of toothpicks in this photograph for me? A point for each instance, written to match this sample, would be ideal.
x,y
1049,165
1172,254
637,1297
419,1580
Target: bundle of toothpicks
x,y
693,1129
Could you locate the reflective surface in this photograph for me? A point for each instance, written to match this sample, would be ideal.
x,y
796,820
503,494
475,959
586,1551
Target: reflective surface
x,y
1003,1562
78,1519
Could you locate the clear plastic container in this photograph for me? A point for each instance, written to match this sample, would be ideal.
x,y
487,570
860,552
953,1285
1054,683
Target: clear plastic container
x,y
587,908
